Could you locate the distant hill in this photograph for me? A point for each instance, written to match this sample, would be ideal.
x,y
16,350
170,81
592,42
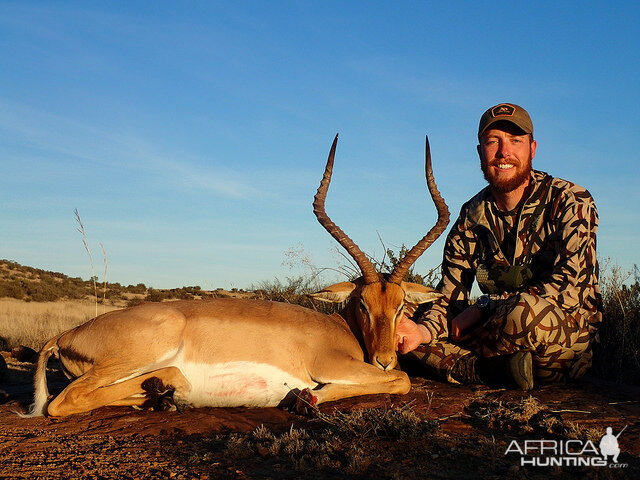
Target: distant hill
x,y
34,284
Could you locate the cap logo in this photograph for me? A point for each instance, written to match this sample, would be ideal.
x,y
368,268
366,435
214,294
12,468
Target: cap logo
x,y
503,110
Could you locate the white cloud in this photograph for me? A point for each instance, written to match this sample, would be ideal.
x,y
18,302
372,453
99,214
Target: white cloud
x,y
71,141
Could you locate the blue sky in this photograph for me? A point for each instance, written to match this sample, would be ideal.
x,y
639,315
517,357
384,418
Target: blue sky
x,y
191,136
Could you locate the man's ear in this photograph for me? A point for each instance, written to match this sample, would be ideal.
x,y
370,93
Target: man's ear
x,y
534,146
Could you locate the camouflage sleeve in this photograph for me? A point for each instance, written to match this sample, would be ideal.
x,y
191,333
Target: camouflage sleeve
x,y
572,279
458,272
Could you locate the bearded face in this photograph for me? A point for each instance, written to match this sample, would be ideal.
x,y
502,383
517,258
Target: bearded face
x,y
505,159
506,177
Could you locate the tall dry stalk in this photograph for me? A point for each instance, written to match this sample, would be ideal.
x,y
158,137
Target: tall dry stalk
x,y
104,289
86,247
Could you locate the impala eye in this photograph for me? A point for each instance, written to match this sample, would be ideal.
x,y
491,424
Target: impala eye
x,y
363,307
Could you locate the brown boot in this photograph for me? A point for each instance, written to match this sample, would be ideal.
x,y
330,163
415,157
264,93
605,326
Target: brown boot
x,y
511,371
464,370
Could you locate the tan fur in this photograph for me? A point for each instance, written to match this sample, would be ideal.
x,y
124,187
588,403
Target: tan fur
x,y
374,310
110,357
236,352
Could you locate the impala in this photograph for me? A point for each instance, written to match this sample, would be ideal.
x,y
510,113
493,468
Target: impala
x,y
233,352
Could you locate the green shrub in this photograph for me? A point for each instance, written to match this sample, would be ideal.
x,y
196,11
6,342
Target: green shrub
x,y
295,291
617,355
428,280
12,289
156,295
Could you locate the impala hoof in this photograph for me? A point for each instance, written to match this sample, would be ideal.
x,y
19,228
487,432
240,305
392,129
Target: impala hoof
x,y
166,404
306,402
159,395
179,402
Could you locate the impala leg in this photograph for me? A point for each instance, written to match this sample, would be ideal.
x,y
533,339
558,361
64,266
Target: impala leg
x,y
354,377
95,389
155,393
134,401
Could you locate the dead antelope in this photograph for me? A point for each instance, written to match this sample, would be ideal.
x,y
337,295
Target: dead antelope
x,y
233,352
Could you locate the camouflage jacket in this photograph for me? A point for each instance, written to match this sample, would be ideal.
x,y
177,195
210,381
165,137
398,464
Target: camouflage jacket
x,y
555,243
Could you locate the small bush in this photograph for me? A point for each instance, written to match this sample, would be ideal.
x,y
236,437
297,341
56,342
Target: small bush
x,y
529,417
295,291
400,423
428,280
157,295
337,442
137,289
12,289
617,354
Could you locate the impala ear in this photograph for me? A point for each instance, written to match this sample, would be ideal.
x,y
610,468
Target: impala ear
x,y
336,293
417,294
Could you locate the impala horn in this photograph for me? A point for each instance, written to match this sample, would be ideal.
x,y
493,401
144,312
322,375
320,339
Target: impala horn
x,y
443,220
366,267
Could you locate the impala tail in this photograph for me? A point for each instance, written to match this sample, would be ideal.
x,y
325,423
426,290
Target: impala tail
x,y
41,394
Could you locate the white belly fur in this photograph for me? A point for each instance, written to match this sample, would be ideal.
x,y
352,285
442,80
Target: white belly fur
x,y
235,384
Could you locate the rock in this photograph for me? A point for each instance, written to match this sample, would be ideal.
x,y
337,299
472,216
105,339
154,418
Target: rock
x,y
24,354
3,369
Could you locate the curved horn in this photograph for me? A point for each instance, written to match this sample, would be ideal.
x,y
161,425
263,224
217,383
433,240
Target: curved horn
x,y
443,220
367,268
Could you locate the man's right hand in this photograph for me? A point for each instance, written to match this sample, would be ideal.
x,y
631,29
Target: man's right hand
x,y
410,335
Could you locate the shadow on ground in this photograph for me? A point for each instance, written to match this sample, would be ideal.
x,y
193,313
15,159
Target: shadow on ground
x,y
472,429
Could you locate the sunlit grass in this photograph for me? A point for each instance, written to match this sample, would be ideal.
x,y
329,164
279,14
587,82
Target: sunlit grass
x,y
33,323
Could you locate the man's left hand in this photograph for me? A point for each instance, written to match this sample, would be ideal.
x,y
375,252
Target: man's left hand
x,y
464,322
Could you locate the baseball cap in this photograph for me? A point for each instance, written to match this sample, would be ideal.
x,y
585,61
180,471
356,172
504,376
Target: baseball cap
x,y
506,112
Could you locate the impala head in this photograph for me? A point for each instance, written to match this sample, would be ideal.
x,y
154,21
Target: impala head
x,y
375,302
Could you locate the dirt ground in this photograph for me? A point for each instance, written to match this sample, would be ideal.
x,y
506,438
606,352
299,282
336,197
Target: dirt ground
x,y
467,438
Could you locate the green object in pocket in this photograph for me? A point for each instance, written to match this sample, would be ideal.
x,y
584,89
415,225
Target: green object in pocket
x,y
493,279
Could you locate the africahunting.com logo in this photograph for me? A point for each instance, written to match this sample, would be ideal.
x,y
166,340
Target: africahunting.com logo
x,y
568,453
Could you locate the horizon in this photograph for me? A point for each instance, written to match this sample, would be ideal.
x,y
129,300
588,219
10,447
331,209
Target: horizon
x,y
192,137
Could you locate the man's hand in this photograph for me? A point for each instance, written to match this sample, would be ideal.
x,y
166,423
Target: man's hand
x,y
410,335
467,319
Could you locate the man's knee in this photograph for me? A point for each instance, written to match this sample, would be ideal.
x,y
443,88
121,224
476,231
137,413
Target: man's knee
x,y
527,314
556,363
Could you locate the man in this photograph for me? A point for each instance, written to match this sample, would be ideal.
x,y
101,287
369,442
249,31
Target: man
x,y
530,242
609,445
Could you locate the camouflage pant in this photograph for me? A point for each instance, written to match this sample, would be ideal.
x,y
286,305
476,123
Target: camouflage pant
x,y
560,344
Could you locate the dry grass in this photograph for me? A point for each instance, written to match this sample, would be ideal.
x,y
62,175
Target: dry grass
x,y
33,323
396,422
339,442
616,356
528,416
